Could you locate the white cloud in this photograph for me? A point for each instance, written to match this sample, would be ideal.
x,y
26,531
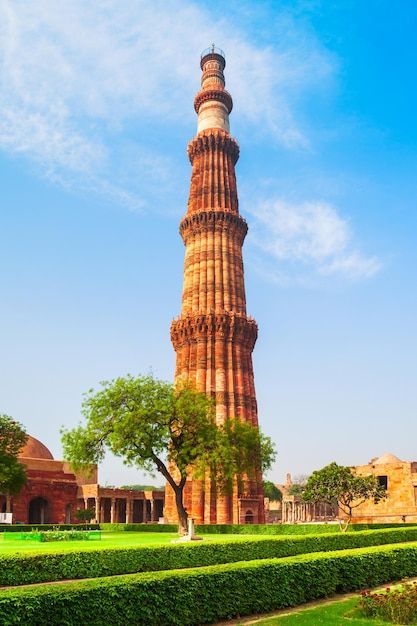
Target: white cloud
x,y
76,77
311,237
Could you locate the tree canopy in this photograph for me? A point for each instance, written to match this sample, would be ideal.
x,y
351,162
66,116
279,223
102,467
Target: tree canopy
x,y
153,425
271,491
12,439
342,489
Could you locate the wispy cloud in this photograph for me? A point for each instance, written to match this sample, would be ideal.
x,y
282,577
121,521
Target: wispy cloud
x,y
306,239
77,78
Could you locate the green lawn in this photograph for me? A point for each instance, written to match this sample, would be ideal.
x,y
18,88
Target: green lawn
x,y
341,613
108,540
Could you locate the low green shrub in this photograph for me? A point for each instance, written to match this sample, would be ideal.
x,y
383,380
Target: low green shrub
x,y
144,528
287,529
20,568
69,535
218,529
206,595
53,535
22,528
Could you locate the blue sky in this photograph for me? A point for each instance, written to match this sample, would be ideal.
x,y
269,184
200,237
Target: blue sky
x,y
96,108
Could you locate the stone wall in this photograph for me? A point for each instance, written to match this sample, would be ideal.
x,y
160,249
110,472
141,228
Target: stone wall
x,y
401,503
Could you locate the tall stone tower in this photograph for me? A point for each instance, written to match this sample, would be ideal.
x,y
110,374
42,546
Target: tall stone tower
x,y
214,337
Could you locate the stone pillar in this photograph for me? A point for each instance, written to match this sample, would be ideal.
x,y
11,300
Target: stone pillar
x,y
129,511
113,511
86,503
145,510
153,508
8,504
97,506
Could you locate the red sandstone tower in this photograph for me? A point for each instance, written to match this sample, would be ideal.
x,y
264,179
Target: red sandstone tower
x,y
213,337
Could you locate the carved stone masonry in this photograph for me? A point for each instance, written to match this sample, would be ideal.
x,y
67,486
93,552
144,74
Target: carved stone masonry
x,y
214,337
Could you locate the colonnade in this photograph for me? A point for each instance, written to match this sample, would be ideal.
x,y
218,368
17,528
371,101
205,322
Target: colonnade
x,y
123,509
294,511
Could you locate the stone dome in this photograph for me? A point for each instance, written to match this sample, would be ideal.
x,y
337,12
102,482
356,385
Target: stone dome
x,y
387,458
34,449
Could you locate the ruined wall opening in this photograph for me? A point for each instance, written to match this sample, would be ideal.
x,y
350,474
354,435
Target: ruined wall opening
x,y
38,511
383,481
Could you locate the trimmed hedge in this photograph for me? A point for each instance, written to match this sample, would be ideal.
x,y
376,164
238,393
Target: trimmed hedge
x,y
144,528
250,529
214,529
288,529
45,536
206,595
27,528
34,567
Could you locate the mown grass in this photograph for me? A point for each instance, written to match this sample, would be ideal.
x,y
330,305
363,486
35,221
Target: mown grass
x,y
108,540
340,613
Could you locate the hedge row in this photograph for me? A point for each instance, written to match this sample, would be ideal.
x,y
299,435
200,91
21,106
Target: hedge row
x,y
216,529
288,529
206,595
27,528
144,528
250,529
35,567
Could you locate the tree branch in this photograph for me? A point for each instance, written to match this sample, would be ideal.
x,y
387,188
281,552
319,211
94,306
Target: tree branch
x,y
161,467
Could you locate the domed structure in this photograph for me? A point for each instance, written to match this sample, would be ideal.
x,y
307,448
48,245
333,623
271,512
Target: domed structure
x,y
388,457
35,449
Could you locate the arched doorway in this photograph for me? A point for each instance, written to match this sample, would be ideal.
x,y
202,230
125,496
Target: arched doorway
x,y
249,517
68,512
38,511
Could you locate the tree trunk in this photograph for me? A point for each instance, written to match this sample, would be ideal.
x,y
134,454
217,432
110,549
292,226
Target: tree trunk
x,y
345,525
178,490
182,513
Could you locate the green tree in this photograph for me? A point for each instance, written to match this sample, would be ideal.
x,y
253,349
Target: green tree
x,y
12,439
343,490
271,491
85,515
152,425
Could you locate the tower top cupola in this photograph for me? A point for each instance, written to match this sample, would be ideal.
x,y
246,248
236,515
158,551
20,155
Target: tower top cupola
x,y
213,103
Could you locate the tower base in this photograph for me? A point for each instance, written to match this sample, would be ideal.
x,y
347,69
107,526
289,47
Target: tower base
x,y
204,506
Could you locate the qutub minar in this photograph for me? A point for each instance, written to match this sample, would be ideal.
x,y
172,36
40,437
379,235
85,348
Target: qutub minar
x,y
214,337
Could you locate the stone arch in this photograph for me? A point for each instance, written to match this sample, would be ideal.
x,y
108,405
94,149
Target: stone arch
x,y
38,511
249,517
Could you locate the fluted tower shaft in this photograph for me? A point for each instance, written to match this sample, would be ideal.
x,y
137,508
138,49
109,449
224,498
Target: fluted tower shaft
x,y
213,338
